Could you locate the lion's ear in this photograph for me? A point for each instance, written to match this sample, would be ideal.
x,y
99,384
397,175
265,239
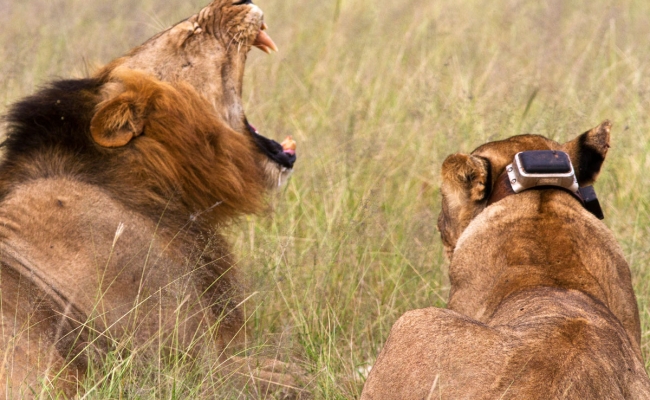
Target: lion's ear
x,y
118,119
466,177
465,188
588,152
182,31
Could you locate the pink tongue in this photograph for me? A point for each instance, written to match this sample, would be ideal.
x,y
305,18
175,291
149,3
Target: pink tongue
x,y
265,43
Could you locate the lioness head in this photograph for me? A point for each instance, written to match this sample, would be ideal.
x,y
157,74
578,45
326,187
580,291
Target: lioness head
x,y
468,180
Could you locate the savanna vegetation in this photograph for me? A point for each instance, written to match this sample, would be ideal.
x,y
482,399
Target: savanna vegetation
x,y
377,94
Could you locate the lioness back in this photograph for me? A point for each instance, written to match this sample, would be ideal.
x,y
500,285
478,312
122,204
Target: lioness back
x,y
568,353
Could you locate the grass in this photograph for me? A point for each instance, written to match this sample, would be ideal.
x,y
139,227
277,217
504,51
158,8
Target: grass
x,y
377,94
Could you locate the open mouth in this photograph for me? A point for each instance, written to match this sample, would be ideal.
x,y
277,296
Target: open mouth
x,y
283,154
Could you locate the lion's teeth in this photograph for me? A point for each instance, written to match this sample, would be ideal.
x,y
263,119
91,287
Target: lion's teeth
x,y
264,26
265,43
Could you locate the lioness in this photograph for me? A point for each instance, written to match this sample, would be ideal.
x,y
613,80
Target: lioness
x,y
541,302
112,193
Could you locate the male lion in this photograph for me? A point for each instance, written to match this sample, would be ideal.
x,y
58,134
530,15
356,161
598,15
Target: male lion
x,y
111,189
541,303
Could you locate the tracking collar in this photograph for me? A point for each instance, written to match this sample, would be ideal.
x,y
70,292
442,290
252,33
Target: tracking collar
x,y
544,169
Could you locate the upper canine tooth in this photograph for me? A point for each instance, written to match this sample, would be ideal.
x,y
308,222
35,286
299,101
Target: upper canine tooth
x,y
264,26
265,43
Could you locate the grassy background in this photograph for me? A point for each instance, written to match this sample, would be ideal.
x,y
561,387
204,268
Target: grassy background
x,y
377,94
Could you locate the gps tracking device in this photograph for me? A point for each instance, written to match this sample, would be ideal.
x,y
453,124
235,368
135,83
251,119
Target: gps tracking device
x,y
542,168
544,162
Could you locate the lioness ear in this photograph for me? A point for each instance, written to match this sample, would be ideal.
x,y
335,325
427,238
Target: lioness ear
x,y
118,119
465,183
465,177
588,152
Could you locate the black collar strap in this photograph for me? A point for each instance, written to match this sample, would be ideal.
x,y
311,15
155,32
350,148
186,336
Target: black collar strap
x,y
585,195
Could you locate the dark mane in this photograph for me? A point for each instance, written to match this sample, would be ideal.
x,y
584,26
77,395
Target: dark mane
x,y
54,120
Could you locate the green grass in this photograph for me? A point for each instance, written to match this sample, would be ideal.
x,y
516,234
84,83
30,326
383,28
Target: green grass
x,y
377,94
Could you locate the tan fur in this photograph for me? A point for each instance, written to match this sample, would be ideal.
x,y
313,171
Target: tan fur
x,y
541,303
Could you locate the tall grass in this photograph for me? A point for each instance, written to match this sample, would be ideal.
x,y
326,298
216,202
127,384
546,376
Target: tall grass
x,y
377,94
